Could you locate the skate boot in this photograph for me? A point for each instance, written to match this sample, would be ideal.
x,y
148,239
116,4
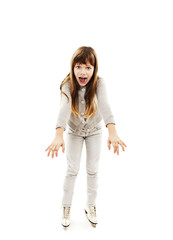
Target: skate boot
x,y
90,212
65,216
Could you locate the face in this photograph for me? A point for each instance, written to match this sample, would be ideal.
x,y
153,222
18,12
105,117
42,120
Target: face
x,y
83,73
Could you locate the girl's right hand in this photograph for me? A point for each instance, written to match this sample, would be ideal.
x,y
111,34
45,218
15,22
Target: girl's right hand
x,y
55,145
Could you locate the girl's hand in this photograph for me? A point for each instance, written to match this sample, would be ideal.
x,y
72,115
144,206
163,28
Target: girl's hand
x,y
115,140
55,145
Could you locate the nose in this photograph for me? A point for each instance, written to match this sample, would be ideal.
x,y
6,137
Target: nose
x,y
83,71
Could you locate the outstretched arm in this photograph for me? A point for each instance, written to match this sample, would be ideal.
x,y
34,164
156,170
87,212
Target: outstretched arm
x,y
103,103
63,116
108,117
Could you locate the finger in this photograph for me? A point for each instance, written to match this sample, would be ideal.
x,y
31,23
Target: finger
x,y
58,147
122,146
53,154
118,150
123,143
115,145
109,144
49,152
50,149
56,151
63,147
47,147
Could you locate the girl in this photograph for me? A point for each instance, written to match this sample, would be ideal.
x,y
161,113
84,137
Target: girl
x,y
83,105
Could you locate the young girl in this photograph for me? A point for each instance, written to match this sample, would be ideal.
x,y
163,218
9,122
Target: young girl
x,y
83,105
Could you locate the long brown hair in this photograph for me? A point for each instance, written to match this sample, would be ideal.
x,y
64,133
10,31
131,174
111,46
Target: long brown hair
x,y
82,55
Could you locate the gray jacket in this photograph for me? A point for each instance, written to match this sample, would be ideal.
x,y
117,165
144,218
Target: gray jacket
x,y
80,124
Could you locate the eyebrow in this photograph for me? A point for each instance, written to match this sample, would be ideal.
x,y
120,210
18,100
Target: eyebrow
x,y
84,64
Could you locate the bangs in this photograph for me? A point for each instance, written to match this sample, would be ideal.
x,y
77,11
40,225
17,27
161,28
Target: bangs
x,y
83,57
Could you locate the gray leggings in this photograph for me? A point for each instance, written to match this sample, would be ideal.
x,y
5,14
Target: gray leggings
x,y
74,144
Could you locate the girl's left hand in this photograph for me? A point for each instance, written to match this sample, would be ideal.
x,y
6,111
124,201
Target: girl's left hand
x,y
115,140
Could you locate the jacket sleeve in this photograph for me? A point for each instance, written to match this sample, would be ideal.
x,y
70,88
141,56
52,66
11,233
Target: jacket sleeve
x,y
64,108
103,104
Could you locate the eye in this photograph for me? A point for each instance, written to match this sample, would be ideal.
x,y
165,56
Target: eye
x,y
88,68
78,66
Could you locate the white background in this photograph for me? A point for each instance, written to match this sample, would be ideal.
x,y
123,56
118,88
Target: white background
x,y
133,41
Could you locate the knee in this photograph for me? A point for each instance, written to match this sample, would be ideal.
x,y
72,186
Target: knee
x,y
91,173
72,173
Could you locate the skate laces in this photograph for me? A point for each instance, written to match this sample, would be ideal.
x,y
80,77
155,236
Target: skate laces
x,y
92,211
66,212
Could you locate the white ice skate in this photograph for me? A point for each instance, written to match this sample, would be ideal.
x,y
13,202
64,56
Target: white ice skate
x,y
90,212
65,216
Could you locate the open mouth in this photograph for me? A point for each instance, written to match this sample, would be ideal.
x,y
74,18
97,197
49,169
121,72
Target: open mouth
x,y
82,79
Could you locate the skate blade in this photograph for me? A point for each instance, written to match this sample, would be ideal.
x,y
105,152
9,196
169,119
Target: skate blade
x,y
92,224
65,227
